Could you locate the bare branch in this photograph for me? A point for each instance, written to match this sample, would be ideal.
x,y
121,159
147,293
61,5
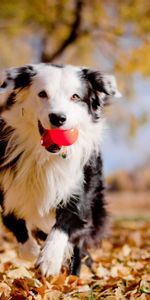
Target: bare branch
x,y
74,34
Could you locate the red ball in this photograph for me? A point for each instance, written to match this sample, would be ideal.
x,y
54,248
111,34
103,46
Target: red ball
x,y
59,137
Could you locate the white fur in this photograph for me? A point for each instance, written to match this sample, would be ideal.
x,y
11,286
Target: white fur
x,y
42,179
52,254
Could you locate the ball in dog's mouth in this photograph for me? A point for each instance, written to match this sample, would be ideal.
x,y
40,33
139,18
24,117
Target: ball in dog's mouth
x,y
54,139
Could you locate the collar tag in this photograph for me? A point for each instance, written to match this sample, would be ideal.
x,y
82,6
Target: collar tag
x,y
63,154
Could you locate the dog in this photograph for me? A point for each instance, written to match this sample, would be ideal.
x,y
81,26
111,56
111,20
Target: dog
x,y
44,195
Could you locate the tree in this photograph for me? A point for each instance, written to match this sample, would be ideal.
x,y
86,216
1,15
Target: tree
x,y
82,31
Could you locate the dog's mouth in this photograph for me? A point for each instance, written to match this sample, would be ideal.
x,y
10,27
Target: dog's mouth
x,y
54,139
53,148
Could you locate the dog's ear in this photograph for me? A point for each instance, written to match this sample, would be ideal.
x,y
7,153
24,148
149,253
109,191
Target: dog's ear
x,y
20,77
103,84
6,87
3,81
14,79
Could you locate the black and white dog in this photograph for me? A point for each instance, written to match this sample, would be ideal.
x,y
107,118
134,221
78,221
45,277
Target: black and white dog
x,y
43,195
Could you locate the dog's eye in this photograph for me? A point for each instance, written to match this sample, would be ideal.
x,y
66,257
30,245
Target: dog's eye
x,y
43,94
75,97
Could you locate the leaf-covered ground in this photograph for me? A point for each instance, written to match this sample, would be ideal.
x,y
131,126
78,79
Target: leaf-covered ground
x,y
121,270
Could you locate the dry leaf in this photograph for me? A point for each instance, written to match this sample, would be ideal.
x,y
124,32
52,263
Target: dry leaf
x,y
121,270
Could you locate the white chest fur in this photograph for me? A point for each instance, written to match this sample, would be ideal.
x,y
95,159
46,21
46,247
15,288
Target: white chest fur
x,y
40,180
35,188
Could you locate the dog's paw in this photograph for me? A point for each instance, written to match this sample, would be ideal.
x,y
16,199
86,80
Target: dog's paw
x,y
49,263
51,256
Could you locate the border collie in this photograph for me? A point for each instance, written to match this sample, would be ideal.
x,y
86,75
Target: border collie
x,y
44,196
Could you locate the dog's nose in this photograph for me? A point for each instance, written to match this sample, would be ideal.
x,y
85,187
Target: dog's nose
x,y
57,119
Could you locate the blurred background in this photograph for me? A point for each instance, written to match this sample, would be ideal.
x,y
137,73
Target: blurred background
x,y
110,35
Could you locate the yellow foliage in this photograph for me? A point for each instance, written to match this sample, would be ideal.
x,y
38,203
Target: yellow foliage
x,y
99,29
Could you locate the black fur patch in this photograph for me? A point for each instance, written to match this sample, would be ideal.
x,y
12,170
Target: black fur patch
x,y
17,227
96,80
82,218
39,234
4,85
95,85
11,100
78,254
93,102
1,196
75,262
24,77
94,186
68,217
5,133
88,210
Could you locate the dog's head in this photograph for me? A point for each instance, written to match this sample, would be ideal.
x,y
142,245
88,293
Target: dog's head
x,y
56,96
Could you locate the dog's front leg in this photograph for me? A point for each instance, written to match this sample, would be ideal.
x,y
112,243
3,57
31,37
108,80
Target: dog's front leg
x,y
53,252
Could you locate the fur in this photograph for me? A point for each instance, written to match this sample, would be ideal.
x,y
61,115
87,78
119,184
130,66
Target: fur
x,y
41,191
